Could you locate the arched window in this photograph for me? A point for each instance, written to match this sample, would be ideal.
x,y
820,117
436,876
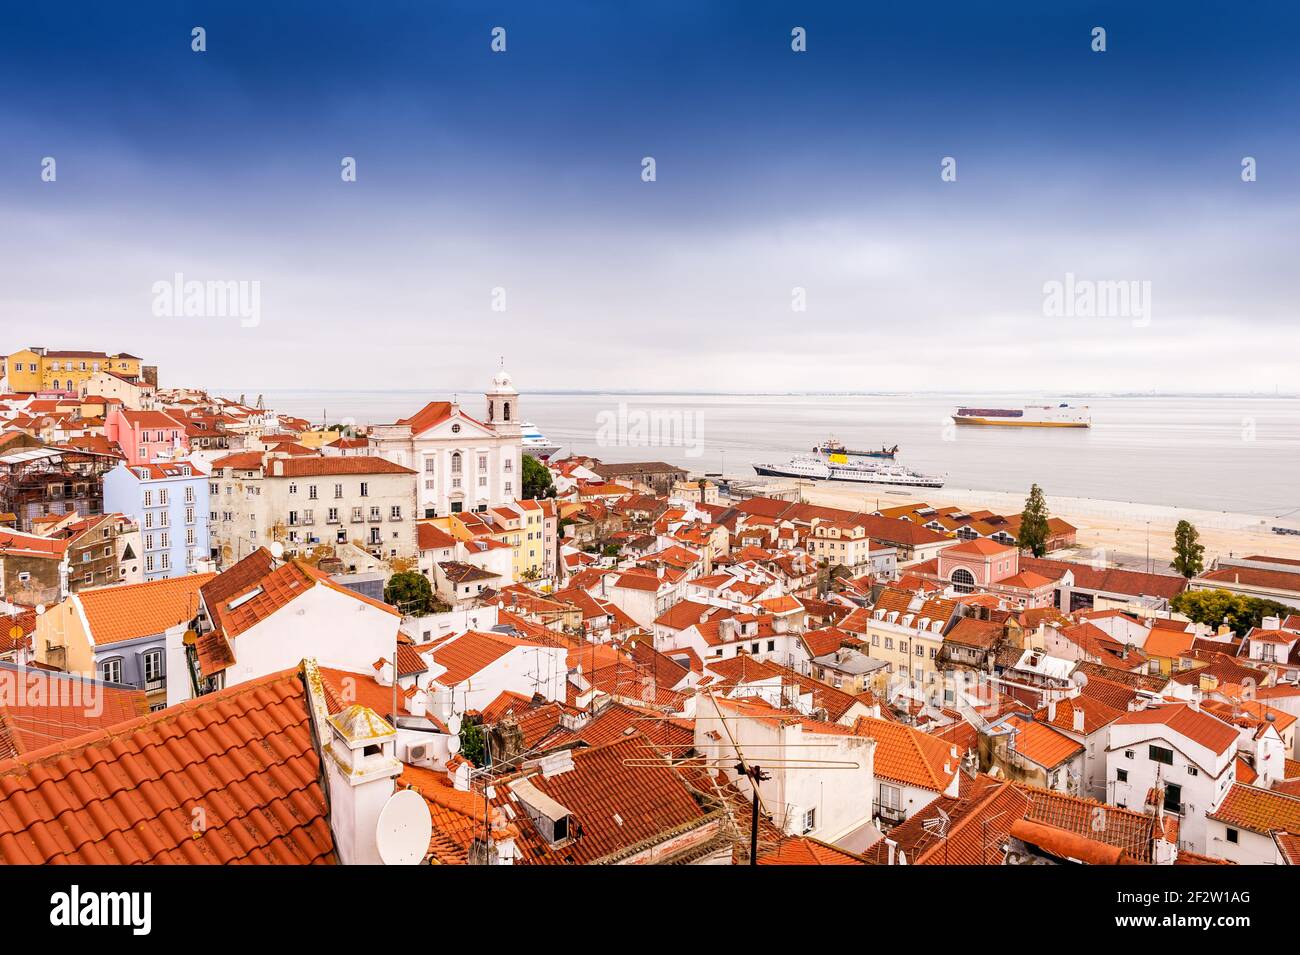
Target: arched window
x,y
963,581
455,462
505,411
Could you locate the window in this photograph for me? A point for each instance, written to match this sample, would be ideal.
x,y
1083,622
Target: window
x,y
1159,754
455,463
430,465
1232,835
810,820
110,671
395,512
963,581
311,492
153,663
1191,771
365,489
293,488
1173,797
338,491
1121,775
1128,754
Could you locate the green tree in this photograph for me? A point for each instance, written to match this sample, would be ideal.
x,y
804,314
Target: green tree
x,y
410,592
1215,607
1034,529
471,742
1189,552
537,479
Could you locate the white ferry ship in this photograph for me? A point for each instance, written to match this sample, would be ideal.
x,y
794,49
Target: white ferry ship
x,y
536,444
1030,416
818,468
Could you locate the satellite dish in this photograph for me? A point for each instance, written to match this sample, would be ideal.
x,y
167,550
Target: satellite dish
x,y
190,638
404,829
453,745
1080,678
453,724
276,549
40,609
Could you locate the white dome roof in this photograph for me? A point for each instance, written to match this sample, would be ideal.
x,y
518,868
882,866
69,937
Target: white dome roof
x,y
501,381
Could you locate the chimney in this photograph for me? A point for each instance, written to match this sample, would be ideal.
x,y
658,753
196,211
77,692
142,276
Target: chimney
x,y
383,671
1271,623
417,701
458,769
1078,718
356,749
1051,711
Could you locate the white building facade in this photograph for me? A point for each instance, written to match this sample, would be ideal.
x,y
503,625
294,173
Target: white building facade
x,y
463,464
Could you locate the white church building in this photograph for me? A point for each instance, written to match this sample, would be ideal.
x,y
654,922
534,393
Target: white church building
x,y
463,464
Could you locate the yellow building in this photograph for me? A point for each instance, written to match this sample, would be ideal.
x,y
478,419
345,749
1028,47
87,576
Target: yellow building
x,y
529,527
38,369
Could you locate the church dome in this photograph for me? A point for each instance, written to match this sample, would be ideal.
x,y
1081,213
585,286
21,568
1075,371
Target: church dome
x,y
501,381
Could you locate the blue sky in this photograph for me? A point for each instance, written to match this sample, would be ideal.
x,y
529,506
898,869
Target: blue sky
x,y
775,170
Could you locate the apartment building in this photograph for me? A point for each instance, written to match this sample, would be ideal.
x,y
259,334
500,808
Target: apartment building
x,y
147,436
305,502
906,630
31,370
169,504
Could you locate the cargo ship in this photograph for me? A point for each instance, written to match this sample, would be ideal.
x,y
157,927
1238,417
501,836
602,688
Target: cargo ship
x,y
1030,416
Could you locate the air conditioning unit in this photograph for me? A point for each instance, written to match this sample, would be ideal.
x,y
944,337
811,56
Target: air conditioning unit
x,y
418,752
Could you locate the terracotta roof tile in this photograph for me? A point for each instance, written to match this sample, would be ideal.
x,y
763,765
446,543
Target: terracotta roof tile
x,y
128,611
242,756
39,707
1259,810
909,756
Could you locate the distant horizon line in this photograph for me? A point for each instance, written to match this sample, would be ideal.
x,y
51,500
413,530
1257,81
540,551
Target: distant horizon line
x,y
225,390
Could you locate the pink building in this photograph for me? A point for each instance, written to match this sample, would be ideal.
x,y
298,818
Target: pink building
x,y
982,564
147,437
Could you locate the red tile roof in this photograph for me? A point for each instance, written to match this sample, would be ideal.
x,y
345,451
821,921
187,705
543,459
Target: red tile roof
x,y
1209,731
241,760
128,611
618,801
435,412
907,755
978,819
466,654
1259,810
1042,744
1124,828
39,707
333,466
801,850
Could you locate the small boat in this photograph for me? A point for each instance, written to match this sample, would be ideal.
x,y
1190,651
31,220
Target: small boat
x,y
833,447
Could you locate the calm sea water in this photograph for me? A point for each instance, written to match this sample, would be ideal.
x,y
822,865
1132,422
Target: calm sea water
x,y
1217,453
